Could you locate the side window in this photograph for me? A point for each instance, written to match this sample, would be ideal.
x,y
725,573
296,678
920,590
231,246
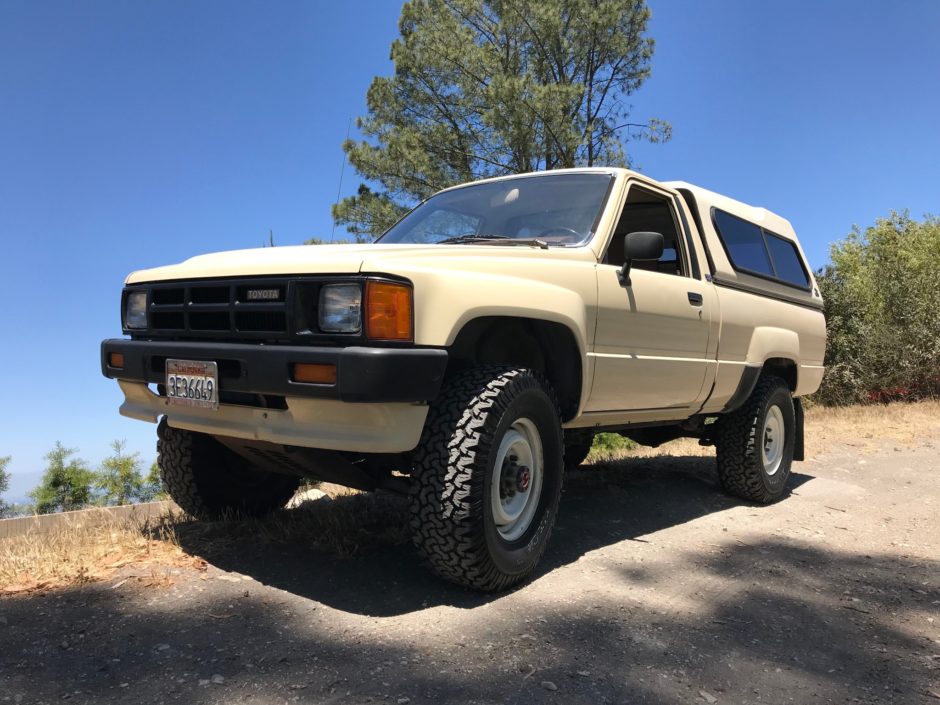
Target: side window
x,y
786,260
756,251
650,212
744,244
443,223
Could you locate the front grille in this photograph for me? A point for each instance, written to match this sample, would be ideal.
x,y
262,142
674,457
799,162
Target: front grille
x,y
244,309
261,321
248,309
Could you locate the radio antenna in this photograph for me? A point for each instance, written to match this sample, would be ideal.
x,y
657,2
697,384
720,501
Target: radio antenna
x,y
342,169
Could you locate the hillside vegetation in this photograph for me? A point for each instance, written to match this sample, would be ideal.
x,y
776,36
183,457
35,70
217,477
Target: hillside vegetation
x,y
882,294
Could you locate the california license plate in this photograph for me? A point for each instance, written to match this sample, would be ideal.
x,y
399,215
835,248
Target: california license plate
x,y
192,383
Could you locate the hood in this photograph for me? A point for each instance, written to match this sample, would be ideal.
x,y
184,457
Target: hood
x,y
328,259
301,259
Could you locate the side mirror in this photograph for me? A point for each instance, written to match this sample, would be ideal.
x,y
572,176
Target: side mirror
x,y
643,247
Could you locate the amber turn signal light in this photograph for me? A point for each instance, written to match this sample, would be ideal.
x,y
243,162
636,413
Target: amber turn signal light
x,y
388,311
116,360
314,373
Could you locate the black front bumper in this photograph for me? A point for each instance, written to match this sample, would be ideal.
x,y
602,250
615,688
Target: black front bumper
x,y
363,374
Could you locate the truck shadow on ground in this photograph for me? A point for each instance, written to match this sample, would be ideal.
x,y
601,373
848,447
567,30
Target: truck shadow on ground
x,y
354,553
845,625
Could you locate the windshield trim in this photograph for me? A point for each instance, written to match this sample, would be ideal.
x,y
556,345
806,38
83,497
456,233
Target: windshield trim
x,y
595,226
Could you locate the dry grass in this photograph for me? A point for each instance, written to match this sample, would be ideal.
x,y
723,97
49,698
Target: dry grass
x,y
93,546
682,446
871,426
88,547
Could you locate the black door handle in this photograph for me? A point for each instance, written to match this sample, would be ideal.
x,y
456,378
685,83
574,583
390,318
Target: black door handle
x,y
695,298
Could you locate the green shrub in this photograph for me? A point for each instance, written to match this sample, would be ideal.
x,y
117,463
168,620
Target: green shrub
x,y
610,444
882,294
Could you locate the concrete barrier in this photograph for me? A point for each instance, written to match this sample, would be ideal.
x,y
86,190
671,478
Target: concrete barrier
x,y
43,523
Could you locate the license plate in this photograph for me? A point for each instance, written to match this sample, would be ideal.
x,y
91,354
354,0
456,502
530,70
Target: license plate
x,y
192,383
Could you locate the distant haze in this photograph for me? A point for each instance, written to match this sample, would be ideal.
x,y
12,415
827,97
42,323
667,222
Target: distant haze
x,y
20,484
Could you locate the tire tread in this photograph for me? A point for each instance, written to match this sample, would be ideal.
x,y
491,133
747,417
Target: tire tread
x,y
447,491
194,470
737,444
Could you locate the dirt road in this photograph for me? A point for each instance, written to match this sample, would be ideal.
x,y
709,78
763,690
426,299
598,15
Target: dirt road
x,y
656,589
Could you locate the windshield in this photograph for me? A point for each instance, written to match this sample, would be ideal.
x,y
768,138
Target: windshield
x,y
557,209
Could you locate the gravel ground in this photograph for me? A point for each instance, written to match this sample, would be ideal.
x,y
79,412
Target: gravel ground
x,y
656,589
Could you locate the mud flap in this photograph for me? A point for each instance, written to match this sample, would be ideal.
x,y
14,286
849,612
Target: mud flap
x,y
798,453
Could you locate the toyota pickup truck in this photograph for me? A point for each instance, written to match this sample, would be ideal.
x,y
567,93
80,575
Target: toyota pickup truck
x,y
470,354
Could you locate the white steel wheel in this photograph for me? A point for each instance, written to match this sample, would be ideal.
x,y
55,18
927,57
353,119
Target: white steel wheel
x,y
487,477
754,444
774,440
518,473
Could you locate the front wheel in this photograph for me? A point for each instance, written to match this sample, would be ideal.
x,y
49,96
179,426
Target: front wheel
x,y
754,445
487,477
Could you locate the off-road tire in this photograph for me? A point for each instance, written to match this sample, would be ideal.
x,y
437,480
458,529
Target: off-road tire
x,y
452,522
739,438
209,481
577,447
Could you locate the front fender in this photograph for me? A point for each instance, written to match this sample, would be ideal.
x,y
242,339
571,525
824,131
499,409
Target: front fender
x,y
454,287
447,298
442,315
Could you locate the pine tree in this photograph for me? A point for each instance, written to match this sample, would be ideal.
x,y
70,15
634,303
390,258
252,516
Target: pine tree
x,y
490,87
65,485
153,486
119,478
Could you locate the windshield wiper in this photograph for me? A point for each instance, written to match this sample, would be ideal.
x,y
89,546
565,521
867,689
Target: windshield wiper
x,y
524,241
493,240
471,238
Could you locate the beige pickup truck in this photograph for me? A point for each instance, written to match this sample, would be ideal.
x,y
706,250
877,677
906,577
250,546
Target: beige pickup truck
x,y
468,356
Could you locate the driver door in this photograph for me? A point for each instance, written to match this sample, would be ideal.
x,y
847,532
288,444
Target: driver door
x,y
651,340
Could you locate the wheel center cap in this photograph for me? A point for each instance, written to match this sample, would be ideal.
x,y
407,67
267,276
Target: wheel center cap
x,y
523,478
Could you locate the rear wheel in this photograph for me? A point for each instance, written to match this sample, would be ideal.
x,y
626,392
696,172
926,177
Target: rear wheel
x,y
754,445
487,477
209,481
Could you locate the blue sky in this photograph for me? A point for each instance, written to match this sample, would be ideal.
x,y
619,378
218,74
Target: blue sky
x,y
134,134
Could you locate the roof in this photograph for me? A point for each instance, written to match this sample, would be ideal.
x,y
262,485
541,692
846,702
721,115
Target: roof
x,y
706,199
546,172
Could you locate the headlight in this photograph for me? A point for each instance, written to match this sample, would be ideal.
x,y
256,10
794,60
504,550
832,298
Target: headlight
x,y
340,308
135,310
